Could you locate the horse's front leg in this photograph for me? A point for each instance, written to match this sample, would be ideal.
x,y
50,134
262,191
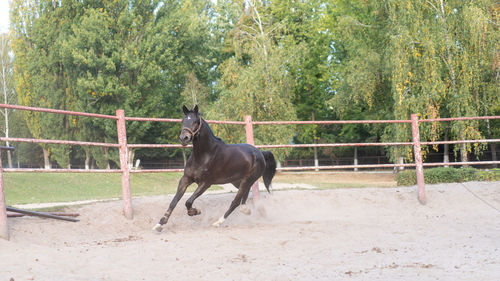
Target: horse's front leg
x,y
181,189
202,187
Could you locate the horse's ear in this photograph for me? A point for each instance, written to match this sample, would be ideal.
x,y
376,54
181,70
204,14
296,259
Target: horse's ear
x,y
195,109
185,109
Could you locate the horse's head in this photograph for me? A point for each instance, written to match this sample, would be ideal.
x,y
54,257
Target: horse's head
x,y
191,125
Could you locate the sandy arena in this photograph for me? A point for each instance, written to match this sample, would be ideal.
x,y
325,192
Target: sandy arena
x,y
341,234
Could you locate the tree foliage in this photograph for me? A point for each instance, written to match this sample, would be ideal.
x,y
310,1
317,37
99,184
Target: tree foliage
x,y
433,58
100,56
272,60
6,85
255,80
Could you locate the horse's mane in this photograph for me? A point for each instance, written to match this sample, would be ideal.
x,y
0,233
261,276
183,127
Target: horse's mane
x,y
210,130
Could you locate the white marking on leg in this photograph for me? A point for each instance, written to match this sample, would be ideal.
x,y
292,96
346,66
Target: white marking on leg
x,y
219,222
158,227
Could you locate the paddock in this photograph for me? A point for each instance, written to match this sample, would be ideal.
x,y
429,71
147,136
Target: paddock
x,y
336,234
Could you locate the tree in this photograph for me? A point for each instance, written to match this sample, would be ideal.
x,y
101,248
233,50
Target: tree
x,y
427,57
41,79
442,67
255,81
194,93
359,66
100,56
307,41
6,84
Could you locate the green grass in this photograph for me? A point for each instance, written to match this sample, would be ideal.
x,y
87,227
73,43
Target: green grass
x,y
23,188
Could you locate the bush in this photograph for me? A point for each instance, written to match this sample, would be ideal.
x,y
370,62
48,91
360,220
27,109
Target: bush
x,y
492,175
446,175
406,178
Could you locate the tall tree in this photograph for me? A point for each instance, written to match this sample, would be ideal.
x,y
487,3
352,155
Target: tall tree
x,y
360,67
443,55
307,40
40,76
255,81
100,56
189,53
433,58
6,84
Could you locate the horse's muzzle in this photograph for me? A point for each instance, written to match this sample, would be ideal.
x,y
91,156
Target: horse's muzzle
x,y
185,139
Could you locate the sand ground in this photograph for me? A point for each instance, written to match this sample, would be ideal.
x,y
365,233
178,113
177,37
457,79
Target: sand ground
x,y
340,234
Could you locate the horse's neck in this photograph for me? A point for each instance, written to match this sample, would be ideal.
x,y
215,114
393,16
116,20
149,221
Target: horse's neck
x,y
205,142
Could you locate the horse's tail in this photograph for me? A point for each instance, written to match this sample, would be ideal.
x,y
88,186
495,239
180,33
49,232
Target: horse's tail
x,y
270,168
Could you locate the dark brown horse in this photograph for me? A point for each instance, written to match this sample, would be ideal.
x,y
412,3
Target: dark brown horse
x,y
215,162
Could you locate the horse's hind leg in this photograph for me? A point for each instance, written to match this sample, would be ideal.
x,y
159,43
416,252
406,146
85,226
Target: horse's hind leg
x,y
181,189
244,209
244,188
202,187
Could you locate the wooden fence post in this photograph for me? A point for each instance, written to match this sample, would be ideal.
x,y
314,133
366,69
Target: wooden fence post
x,y
122,141
4,228
419,168
250,140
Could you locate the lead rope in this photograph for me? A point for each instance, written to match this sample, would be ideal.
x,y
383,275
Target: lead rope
x,y
484,201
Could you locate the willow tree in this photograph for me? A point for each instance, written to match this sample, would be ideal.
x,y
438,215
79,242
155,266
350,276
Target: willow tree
x,y
443,64
433,58
255,80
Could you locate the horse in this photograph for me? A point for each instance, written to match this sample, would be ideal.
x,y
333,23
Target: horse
x,y
215,162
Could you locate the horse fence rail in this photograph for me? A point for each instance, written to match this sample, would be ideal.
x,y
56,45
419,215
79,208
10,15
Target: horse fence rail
x,y
123,147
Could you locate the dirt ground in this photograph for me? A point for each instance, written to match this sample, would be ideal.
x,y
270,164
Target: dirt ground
x,y
340,234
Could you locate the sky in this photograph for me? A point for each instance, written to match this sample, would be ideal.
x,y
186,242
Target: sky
x,y
4,16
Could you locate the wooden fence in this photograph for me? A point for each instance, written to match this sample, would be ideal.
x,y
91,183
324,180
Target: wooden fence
x,y
123,147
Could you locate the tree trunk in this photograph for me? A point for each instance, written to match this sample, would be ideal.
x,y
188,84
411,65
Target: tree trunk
x,y
6,115
448,43
492,144
316,162
9,155
355,158
264,41
87,159
131,155
399,160
107,158
446,155
46,158
463,154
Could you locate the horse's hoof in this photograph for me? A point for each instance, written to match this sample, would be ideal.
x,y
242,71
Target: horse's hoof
x,y
158,227
193,212
219,222
245,210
